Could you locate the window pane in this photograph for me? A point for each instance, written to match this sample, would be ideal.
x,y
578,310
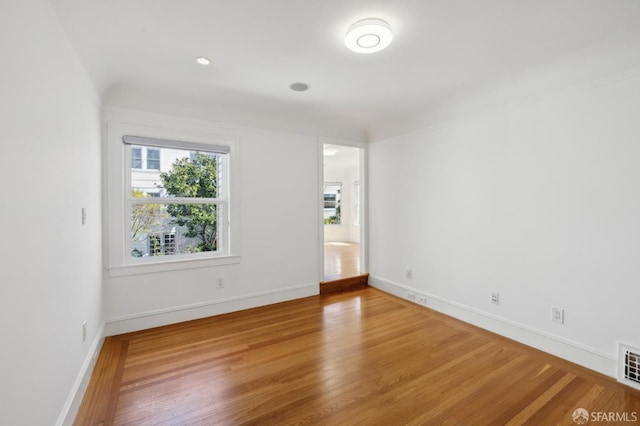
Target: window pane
x,y
179,173
136,158
168,229
153,159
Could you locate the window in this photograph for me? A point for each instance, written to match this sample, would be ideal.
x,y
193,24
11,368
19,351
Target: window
x,y
145,158
159,244
332,203
153,159
136,158
178,206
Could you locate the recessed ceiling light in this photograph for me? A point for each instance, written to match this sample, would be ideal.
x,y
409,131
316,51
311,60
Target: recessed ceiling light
x,y
299,87
368,36
203,61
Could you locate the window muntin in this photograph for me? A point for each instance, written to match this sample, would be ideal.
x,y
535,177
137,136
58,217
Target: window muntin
x,y
179,209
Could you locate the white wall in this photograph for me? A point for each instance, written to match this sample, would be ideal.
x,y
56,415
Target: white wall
x,y
51,263
276,191
538,202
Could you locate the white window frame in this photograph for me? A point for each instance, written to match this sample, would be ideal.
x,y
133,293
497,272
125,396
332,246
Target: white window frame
x,y
356,203
120,261
221,202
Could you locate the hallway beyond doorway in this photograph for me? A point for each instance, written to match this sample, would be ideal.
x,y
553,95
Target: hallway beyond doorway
x,y
341,260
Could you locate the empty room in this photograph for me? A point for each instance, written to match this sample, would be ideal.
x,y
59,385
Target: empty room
x,y
310,212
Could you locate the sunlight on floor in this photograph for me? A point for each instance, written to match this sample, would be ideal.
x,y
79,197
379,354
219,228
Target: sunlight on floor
x,y
341,260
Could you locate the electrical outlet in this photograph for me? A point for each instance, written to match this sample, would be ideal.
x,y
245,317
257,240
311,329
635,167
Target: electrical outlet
x,y
557,315
422,299
411,296
84,215
495,298
408,274
220,283
84,331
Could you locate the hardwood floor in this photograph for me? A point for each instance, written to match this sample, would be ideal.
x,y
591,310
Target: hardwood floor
x,y
344,284
362,357
341,260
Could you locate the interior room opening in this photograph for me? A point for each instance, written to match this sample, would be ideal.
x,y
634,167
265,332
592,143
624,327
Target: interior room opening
x,y
342,212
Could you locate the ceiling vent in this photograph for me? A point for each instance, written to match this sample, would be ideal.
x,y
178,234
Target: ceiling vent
x,y
629,366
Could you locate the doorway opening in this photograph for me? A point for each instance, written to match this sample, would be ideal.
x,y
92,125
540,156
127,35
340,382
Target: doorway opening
x,y
342,212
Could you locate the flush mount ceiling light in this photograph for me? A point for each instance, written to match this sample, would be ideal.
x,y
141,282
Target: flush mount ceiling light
x,y
203,61
368,36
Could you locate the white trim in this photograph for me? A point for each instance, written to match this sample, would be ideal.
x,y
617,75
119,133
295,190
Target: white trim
x,y
171,265
176,314
320,209
555,345
364,209
117,184
342,142
72,404
171,144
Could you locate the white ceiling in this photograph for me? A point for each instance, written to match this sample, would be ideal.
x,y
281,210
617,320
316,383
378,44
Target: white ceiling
x,y
140,54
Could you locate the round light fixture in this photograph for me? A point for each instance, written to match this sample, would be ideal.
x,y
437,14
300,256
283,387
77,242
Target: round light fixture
x,y
203,61
299,87
368,36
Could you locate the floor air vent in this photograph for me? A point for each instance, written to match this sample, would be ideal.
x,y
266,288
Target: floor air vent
x,y
629,366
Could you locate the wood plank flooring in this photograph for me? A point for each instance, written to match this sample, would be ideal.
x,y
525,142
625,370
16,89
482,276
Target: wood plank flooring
x,y
362,357
341,260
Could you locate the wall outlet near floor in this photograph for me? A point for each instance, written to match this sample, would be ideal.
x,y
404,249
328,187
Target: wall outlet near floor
x,y
411,296
557,315
408,274
495,298
422,299
84,331
220,282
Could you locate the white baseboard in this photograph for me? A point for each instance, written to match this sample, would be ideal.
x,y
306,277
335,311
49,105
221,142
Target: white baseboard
x,y
144,320
71,406
555,345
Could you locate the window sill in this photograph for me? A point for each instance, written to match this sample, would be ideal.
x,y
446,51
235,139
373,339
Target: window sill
x,y
172,265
